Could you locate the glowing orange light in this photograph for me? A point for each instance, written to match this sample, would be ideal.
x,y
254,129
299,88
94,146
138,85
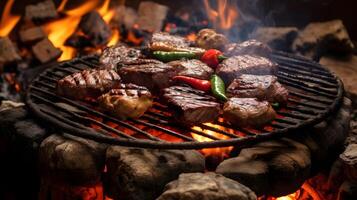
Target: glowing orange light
x,y
8,21
223,16
223,151
62,5
115,38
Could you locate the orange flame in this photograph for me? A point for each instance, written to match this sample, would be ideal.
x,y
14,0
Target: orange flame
x,y
115,38
222,152
8,21
224,16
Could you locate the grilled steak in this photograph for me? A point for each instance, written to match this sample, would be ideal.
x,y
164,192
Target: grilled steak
x,y
235,66
249,47
88,83
165,42
126,101
152,75
248,112
120,53
192,68
262,87
191,106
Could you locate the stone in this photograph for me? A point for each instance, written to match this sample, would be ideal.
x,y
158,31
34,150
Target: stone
x,y
347,191
45,51
319,38
279,38
349,159
141,174
345,68
125,16
70,160
276,168
206,186
41,11
6,105
8,52
151,16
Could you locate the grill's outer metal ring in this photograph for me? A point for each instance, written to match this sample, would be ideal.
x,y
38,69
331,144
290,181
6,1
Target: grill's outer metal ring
x,y
144,143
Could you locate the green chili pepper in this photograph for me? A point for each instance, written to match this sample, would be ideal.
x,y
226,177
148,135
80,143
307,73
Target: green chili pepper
x,y
218,88
173,55
275,105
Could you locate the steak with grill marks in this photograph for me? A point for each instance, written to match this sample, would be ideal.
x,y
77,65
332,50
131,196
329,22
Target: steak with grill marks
x,y
126,101
117,54
88,83
192,68
191,106
264,87
244,112
153,75
165,42
236,66
249,47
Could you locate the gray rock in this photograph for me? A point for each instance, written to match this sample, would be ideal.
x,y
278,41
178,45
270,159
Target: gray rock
x,y
349,159
321,37
70,160
279,38
208,186
274,168
141,174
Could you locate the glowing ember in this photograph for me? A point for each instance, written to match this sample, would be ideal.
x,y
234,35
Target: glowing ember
x,y
224,16
8,21
220,152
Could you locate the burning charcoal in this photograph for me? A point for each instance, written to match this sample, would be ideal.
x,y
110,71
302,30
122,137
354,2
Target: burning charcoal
x,y
44,51
95,28
41,11
279,38
141,174
32,34
8,52
151,16
71,160
319,38
206,186
265,171
124,16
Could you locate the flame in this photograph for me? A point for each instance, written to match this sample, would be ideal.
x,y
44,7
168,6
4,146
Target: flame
x,y
114,39
8,21
222,152
223,16
62,5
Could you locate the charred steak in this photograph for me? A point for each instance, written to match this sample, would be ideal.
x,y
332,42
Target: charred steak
x,y
126,101
235,66
264,87
152,75
248,112
191,106
165,42
249,47
192,68
117,54
88,83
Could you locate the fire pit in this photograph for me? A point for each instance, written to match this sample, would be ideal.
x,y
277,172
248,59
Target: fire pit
x,y
75,149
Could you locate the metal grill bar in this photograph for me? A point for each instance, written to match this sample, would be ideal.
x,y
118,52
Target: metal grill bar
x,y
314,94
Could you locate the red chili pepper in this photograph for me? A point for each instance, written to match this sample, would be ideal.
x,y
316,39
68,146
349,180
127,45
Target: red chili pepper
x,y
212,57
196,83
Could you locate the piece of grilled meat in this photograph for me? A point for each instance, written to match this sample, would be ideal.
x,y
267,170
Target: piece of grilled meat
x,y
264,87
126,101
118,54
88,83
152,75
244,112
235,66
249,47
191,106
192,68
161,41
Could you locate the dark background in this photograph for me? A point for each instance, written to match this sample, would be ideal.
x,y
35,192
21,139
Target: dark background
x,y
269,12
